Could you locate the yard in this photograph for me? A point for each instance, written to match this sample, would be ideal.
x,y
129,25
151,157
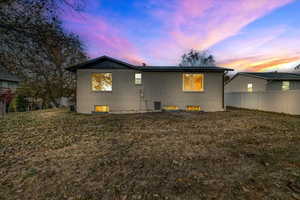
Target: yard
x,y
238,154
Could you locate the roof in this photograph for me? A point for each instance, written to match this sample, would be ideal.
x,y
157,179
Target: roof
x,y
280,76
91,64
6,76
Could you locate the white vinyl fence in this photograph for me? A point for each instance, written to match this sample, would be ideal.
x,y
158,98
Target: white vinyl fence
x,y
274,101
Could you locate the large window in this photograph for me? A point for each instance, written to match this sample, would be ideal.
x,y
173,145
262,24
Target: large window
x,y
193,82
250,87
285,85
138,78
102,82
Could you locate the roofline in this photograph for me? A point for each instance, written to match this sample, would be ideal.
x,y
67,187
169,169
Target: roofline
x,y
182,69
89,62
149,68
9,80
267,79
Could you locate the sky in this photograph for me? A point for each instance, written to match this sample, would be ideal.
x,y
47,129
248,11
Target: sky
x,y
246,35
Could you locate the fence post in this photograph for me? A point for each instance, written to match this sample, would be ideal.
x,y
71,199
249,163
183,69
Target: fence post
x,y
2,112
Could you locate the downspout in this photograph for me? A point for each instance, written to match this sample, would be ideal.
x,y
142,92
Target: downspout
x,y
223,103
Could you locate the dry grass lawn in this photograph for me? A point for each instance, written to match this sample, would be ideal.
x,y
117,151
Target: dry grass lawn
x,y
238,154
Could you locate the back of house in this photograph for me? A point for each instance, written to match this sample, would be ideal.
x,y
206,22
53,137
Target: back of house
x,y
269,91
108,85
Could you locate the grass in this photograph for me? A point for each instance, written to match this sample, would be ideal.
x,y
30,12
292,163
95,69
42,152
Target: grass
x,y
238,154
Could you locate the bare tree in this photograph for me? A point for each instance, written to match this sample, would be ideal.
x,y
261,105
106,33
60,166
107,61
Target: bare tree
x,y
197,58
35,47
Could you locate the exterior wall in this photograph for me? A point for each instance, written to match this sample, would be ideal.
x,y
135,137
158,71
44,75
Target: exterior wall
x,y
240,82
165,87
125,95
9,84
274,101
277,85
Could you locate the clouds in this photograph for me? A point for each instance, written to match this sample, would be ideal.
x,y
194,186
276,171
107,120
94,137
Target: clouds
x,y
261,63
101,37
159,31
201,24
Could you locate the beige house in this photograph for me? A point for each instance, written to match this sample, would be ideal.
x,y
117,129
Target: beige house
x,y
270,91
105,84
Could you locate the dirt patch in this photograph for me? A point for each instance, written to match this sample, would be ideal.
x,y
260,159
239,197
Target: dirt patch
x,y
237,154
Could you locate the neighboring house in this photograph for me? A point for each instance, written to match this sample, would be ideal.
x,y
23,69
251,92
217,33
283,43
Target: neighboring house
x,y
263,81
105,84
8,80
8,84
269,91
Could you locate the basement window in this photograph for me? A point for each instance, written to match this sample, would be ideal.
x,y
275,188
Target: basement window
x,y
101,109
101,82
250,87
193,108
285,85
170,108
193,82
138,78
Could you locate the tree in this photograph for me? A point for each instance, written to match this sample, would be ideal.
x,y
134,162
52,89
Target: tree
x,y
297,67
197,58
35,46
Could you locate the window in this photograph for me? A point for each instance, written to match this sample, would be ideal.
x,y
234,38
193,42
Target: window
x,y
101,109
250,87
193,108
138,78
193,82
285,85
170,108
102,82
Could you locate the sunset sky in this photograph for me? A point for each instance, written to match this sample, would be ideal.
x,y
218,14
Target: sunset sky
x,y
247,35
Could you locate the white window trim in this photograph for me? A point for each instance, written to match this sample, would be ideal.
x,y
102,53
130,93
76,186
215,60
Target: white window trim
x,y
135,79
202,90
250,89
283,86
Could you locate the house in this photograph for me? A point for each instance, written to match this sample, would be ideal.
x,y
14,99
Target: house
x,y
263,81
269,91
8,85
106,84
8,80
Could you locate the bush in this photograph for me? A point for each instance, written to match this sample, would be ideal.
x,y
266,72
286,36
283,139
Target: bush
x,y
13,105
20,104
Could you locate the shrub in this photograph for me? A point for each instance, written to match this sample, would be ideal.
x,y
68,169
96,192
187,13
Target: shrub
x,y
21,103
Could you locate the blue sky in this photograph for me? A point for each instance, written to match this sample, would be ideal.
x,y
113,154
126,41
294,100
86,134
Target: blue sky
x,y
248,35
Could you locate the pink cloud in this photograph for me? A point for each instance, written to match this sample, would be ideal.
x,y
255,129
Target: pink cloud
x,y
100,37
262,63
200,24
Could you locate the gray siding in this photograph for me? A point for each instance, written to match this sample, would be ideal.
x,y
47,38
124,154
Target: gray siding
x,y
165,87
240,82
125,95
277,85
